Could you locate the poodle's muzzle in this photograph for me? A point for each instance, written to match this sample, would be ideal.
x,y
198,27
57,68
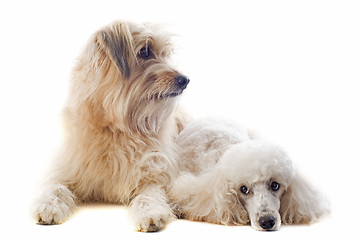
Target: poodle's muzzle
x,y
267,222
262,205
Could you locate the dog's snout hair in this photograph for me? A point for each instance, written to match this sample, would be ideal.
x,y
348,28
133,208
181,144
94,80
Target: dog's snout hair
x,y
263,207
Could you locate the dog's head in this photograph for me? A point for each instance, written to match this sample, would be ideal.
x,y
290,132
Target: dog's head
x,y
268,186
260,172
125,77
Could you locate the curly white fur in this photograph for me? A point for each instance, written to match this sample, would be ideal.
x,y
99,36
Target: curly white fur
x,y
218,158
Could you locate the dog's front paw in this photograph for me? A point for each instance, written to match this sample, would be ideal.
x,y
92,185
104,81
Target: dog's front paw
x,y
150,210
151,224
49,213
55,206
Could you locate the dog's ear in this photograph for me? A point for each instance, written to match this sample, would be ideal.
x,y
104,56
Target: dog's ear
x,y
116,41
208,197
301,204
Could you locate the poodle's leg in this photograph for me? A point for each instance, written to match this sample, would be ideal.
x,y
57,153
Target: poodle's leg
x,y
150,210
55,205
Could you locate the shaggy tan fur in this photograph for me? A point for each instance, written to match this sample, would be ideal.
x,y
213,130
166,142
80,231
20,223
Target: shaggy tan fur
x,y
121,118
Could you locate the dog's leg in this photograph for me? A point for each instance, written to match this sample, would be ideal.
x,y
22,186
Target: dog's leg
x,y
150,210
55,205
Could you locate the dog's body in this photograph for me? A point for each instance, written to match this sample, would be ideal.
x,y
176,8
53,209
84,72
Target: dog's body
x,y
121,120
232,176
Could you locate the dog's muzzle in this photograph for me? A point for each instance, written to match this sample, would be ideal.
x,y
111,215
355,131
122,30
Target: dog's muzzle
x,y
182,81
179,85
267,222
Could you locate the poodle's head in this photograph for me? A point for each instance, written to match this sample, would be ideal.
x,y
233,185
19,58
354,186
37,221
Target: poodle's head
x,y
268,186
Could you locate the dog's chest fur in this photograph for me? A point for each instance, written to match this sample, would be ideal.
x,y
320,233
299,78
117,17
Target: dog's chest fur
x,y
113,166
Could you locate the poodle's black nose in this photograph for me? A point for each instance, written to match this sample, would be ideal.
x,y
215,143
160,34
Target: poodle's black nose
x,y
267,222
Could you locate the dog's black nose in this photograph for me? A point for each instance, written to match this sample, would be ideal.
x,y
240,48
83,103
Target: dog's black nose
x,y
182,81
267,222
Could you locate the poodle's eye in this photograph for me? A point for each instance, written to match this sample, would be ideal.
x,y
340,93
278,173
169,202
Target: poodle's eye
x,y
145,53
244,190
275,186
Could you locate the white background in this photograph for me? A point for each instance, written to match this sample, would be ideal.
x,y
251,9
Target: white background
x,y
287,68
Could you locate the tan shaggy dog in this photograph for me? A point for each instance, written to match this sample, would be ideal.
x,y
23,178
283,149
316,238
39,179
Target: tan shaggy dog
x,y
121,119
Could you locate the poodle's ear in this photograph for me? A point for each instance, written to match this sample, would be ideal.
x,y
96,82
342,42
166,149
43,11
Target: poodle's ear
x,y
301,204
208,197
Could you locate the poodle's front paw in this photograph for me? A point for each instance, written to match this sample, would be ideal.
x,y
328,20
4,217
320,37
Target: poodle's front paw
x,y
49,213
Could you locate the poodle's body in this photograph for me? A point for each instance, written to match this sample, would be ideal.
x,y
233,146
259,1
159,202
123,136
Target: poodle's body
x,y
231,176
202,143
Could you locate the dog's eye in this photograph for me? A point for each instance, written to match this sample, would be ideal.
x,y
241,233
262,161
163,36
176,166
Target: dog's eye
x,y
145,53
244,190
274,186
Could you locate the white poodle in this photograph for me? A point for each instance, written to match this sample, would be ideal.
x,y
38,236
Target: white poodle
x,y
231,176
